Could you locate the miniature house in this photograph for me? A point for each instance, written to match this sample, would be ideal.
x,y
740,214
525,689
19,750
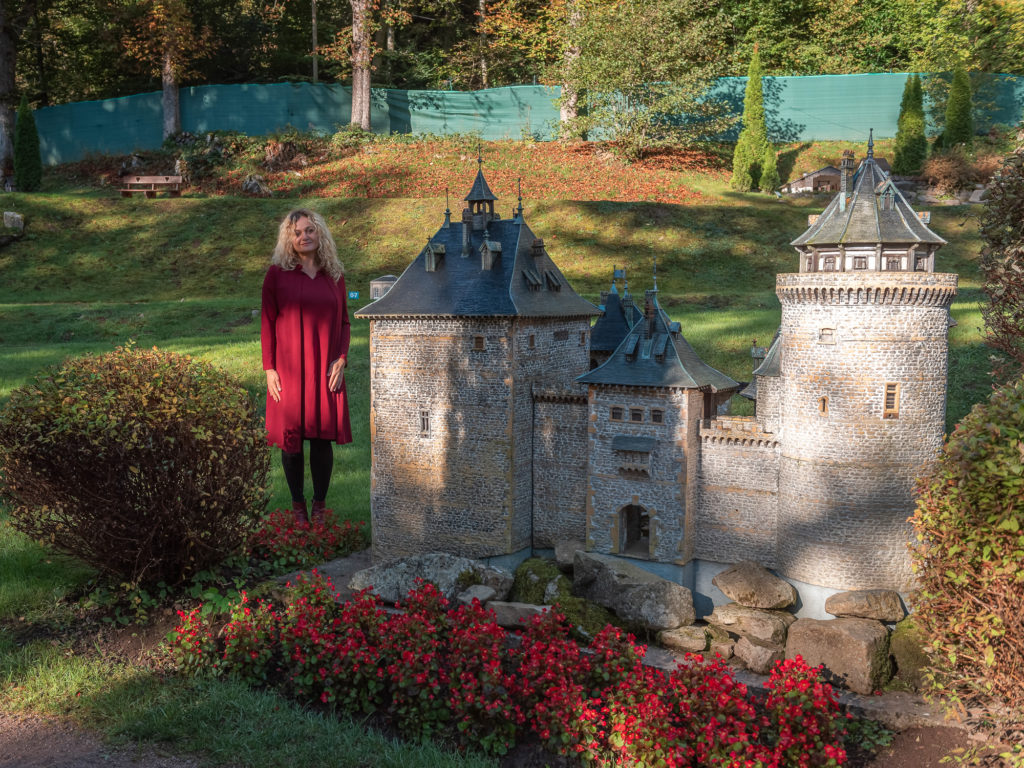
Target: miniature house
x,y
502,423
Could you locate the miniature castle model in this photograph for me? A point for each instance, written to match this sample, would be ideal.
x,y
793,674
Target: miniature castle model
x,y
502,423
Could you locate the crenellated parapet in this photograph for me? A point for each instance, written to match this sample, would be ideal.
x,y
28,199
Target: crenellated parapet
x,y
926,289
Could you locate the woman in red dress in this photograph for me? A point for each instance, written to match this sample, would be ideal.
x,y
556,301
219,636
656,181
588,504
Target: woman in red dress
x,y
305,336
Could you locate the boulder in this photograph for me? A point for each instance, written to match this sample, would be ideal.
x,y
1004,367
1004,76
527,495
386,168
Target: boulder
x,y
255,184
14,220
881,604
684,639
631,592
564,553
765,627
906,647
758,658
979,195
854,652
479,592
452,575
754,586
515,615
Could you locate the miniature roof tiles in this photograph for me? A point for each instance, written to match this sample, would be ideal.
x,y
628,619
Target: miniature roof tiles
x,y
864,220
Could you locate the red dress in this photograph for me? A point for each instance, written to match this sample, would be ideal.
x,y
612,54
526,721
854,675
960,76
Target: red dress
x,y
305,328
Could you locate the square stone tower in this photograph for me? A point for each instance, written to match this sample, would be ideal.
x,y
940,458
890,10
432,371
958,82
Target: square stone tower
x,y
479,317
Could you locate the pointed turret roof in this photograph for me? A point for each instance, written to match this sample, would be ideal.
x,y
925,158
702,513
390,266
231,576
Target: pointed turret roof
x,y
519,279
614,323
656,354
480,191
875,212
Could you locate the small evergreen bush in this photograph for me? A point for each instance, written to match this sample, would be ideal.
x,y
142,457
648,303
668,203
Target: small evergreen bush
x,y
147,465
911,145
769,170
959,111
28,167
970,530
753,140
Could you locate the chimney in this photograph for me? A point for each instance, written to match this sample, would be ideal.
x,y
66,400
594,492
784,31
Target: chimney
x,y
649,313
757,354
845,175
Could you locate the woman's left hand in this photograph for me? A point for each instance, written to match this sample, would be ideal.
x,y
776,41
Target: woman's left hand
x,y
336,374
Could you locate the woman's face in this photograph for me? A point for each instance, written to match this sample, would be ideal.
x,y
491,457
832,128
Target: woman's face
x,y
305,238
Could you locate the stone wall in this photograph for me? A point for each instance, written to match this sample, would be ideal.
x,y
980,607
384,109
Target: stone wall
x,y
465,485
847,467
666,487
769,401
738,497
559,465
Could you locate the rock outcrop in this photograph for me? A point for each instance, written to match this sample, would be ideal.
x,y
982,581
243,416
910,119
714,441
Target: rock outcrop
x,y
854,652
880,604
394,579
760,626
754,586
631,592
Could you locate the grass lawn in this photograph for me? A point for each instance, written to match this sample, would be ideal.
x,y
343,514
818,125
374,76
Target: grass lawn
x,y
96,271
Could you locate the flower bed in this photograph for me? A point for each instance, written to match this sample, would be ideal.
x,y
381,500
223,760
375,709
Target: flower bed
x,y
286,546
440,671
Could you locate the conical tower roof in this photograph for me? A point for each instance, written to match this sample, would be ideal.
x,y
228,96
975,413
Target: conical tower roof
x,y
480,191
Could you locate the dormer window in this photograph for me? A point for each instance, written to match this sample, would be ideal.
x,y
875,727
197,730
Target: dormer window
x,y
828,264
860,262
892,263
888,200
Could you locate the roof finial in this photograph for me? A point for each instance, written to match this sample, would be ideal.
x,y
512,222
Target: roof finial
x,y
519,209
655,273
479,154
447,212
871,142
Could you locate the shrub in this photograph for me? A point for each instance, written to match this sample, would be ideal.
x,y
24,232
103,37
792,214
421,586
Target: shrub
x,y
1002,260
911,145
959,111
970,530
288,547
28,167
949,171
147,465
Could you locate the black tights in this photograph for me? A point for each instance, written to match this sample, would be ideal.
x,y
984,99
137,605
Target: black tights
x,y
321,461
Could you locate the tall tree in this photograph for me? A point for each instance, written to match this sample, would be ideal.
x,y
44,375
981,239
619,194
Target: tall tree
x,y
647,67
166,39
752,146
362,56
28,167
14,17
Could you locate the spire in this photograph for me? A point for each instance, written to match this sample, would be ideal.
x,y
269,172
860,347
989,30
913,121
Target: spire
x,y
447,211
871,142
615,273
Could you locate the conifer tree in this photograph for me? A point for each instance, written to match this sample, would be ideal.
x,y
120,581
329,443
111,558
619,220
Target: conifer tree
x,y
769,170
911,144
753,141
959,111
28,168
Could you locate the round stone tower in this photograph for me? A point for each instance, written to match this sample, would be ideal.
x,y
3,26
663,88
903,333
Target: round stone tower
x,y
863,363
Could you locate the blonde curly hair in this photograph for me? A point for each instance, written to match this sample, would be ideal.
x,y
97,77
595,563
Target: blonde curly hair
x,y
326,254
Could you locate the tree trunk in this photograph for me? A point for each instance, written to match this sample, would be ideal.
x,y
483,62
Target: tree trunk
x,y
569,106
44,84
9,34
172,112
483,44
361,63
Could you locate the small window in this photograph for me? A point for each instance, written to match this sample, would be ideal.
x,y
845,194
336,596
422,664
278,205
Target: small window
x,y
827,336
823,405
561,335
860,262
531,342
892,263
921,264
479,344
617,413
657,416
828,264
891,407
424,423
583,338
636,414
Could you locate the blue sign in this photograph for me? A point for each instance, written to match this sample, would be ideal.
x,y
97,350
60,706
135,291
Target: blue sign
x,y
353,294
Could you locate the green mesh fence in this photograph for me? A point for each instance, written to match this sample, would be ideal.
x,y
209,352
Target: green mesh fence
x,y
797,109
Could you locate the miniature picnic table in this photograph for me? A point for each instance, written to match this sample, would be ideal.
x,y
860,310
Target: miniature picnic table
x,y
150,185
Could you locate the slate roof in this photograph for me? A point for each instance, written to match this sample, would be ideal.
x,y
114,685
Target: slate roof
x,y
863,221
613,325
652,355
769,367
518,285
480,190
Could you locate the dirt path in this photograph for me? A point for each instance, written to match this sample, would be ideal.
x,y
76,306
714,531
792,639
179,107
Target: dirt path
x,y
30,741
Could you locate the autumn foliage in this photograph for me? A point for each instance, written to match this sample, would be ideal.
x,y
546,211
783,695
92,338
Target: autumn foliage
x,y
148,465
435,670
970,528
